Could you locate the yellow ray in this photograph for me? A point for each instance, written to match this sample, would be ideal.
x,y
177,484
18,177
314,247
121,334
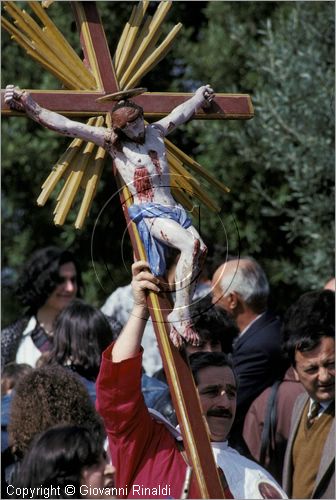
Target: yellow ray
x,y
132,33
47,46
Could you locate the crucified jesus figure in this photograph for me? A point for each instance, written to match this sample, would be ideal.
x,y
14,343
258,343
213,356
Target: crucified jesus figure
x,y
139,154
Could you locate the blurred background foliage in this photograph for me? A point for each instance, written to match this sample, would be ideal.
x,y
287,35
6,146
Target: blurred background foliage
x,y
279,165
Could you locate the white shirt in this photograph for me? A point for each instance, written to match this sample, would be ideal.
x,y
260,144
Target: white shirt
x,y
323,406
28,352
246,479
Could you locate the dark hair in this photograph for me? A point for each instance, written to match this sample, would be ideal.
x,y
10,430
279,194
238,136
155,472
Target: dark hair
x,y
56,458
200,360
39,276
309,319
311,308
119,120
12,374
213,323
306,339
81,334
46,397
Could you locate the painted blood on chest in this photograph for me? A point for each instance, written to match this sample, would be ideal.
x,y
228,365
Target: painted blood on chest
x,y
143,184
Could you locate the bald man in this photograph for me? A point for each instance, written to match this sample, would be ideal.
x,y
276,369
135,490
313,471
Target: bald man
x,y
241,288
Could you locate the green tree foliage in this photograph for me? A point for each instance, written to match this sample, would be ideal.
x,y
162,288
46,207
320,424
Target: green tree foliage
x,y
279,165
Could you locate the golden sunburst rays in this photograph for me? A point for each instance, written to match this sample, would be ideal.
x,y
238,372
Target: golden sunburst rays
x,y
45,44
80,167
139,49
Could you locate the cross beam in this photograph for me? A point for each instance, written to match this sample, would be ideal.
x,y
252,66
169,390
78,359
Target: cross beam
x,y
155,104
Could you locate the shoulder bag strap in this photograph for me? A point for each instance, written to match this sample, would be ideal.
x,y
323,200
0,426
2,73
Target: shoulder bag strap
x,y
269,422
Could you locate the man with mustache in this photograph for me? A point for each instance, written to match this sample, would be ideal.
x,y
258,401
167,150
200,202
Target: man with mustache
x,y
309,467
145,449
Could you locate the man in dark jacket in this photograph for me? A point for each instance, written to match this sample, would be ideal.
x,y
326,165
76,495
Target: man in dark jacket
x,y
241,288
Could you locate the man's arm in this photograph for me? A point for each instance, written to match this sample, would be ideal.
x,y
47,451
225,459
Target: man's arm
x,y
21,100
182,113
129,341
129,426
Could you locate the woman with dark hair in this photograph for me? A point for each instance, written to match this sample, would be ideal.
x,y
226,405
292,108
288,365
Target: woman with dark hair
x,y
81,334
49,281
67,461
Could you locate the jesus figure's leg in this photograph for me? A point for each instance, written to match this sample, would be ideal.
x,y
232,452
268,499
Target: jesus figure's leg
x,y
188,268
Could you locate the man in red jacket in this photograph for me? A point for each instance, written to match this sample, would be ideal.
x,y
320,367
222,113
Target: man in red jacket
x,y
146,452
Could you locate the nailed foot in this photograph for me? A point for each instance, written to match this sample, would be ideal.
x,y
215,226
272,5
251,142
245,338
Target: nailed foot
x,y
176,338
182,329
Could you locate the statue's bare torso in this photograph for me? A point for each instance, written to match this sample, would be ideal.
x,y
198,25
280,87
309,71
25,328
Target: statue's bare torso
x,y
144,168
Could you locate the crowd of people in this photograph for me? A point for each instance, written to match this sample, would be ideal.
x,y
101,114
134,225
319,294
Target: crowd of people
x,y
81,417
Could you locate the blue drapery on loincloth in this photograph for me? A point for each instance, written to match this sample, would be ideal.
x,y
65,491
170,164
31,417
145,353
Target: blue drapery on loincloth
x,y
155,249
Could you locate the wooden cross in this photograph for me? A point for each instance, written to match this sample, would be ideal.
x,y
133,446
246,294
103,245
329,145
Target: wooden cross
x,y
155,105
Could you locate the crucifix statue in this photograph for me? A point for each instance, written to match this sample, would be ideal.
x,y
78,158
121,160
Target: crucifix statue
x,y
143,157
139,154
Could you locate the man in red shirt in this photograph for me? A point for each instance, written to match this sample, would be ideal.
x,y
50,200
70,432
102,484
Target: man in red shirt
x,y
146,452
